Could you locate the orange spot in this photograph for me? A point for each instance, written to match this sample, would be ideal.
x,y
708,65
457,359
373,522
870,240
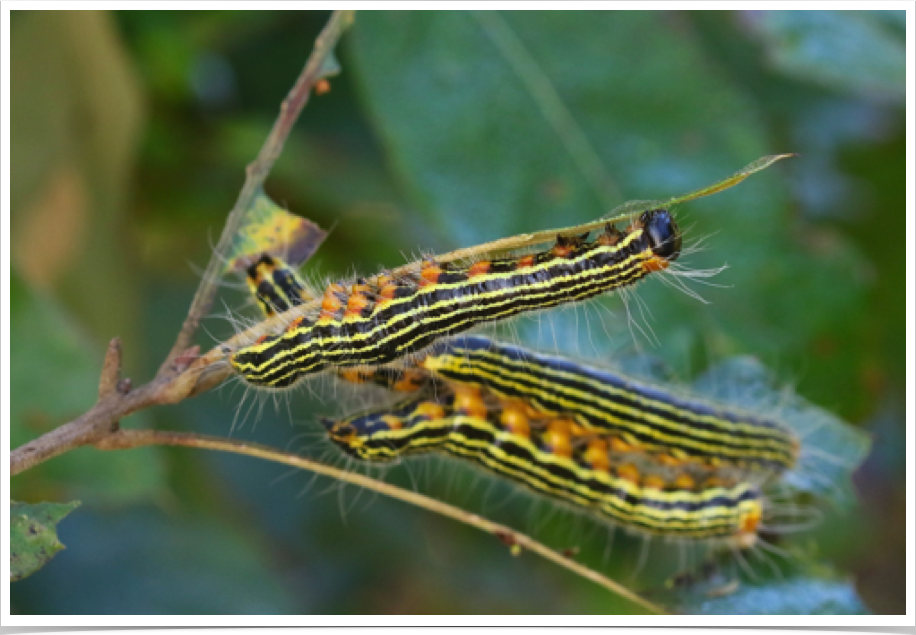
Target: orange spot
x,y
392,422
410,380
751,521
667,459
610,237
322,87
353,376
684,481
619,445
355,304
628,472
330,303
479,268
387,292
430,274
561,251
515,420
713,481
654,482
261,339
469,402
525,261
577,430
295,324
531,411
597,455
655,263
430,410
557,437
747,528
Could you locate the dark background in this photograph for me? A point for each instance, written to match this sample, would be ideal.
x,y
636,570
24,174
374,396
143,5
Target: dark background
x,y
130,133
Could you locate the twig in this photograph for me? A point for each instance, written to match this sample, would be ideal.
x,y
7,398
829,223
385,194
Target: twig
x,y
177,377
126,439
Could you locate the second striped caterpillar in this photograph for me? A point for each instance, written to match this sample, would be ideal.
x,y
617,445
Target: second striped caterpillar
x,y
649,417
557,457
635,414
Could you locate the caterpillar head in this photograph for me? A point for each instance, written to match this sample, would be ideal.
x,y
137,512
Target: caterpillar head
x,y
663,234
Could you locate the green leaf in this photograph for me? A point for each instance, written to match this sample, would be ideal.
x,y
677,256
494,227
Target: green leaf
x,y
633,208
853,51
268,228
500,121
141,560
33,535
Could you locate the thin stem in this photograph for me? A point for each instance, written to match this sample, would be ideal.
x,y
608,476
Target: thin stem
x,y
126,439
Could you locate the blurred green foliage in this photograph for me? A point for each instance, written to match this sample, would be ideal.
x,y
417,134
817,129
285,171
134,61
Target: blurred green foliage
x,y
130,133
33,539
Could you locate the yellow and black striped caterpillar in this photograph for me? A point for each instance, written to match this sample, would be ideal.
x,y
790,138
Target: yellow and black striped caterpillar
x,y
641,415
560,458
379,320
635,414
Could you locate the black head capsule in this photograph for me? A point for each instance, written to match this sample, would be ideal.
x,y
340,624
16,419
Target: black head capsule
x,y
663,233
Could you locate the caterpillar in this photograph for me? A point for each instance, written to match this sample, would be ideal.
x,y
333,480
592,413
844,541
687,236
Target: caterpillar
x,y
385,318
641,415
557,457
275,285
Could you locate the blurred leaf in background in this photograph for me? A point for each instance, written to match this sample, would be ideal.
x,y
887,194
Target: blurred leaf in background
x,y
129,140
33,539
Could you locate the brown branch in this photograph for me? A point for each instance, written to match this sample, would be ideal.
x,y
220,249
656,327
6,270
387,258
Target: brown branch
x,y
177,378
111,370
126,439
115,402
